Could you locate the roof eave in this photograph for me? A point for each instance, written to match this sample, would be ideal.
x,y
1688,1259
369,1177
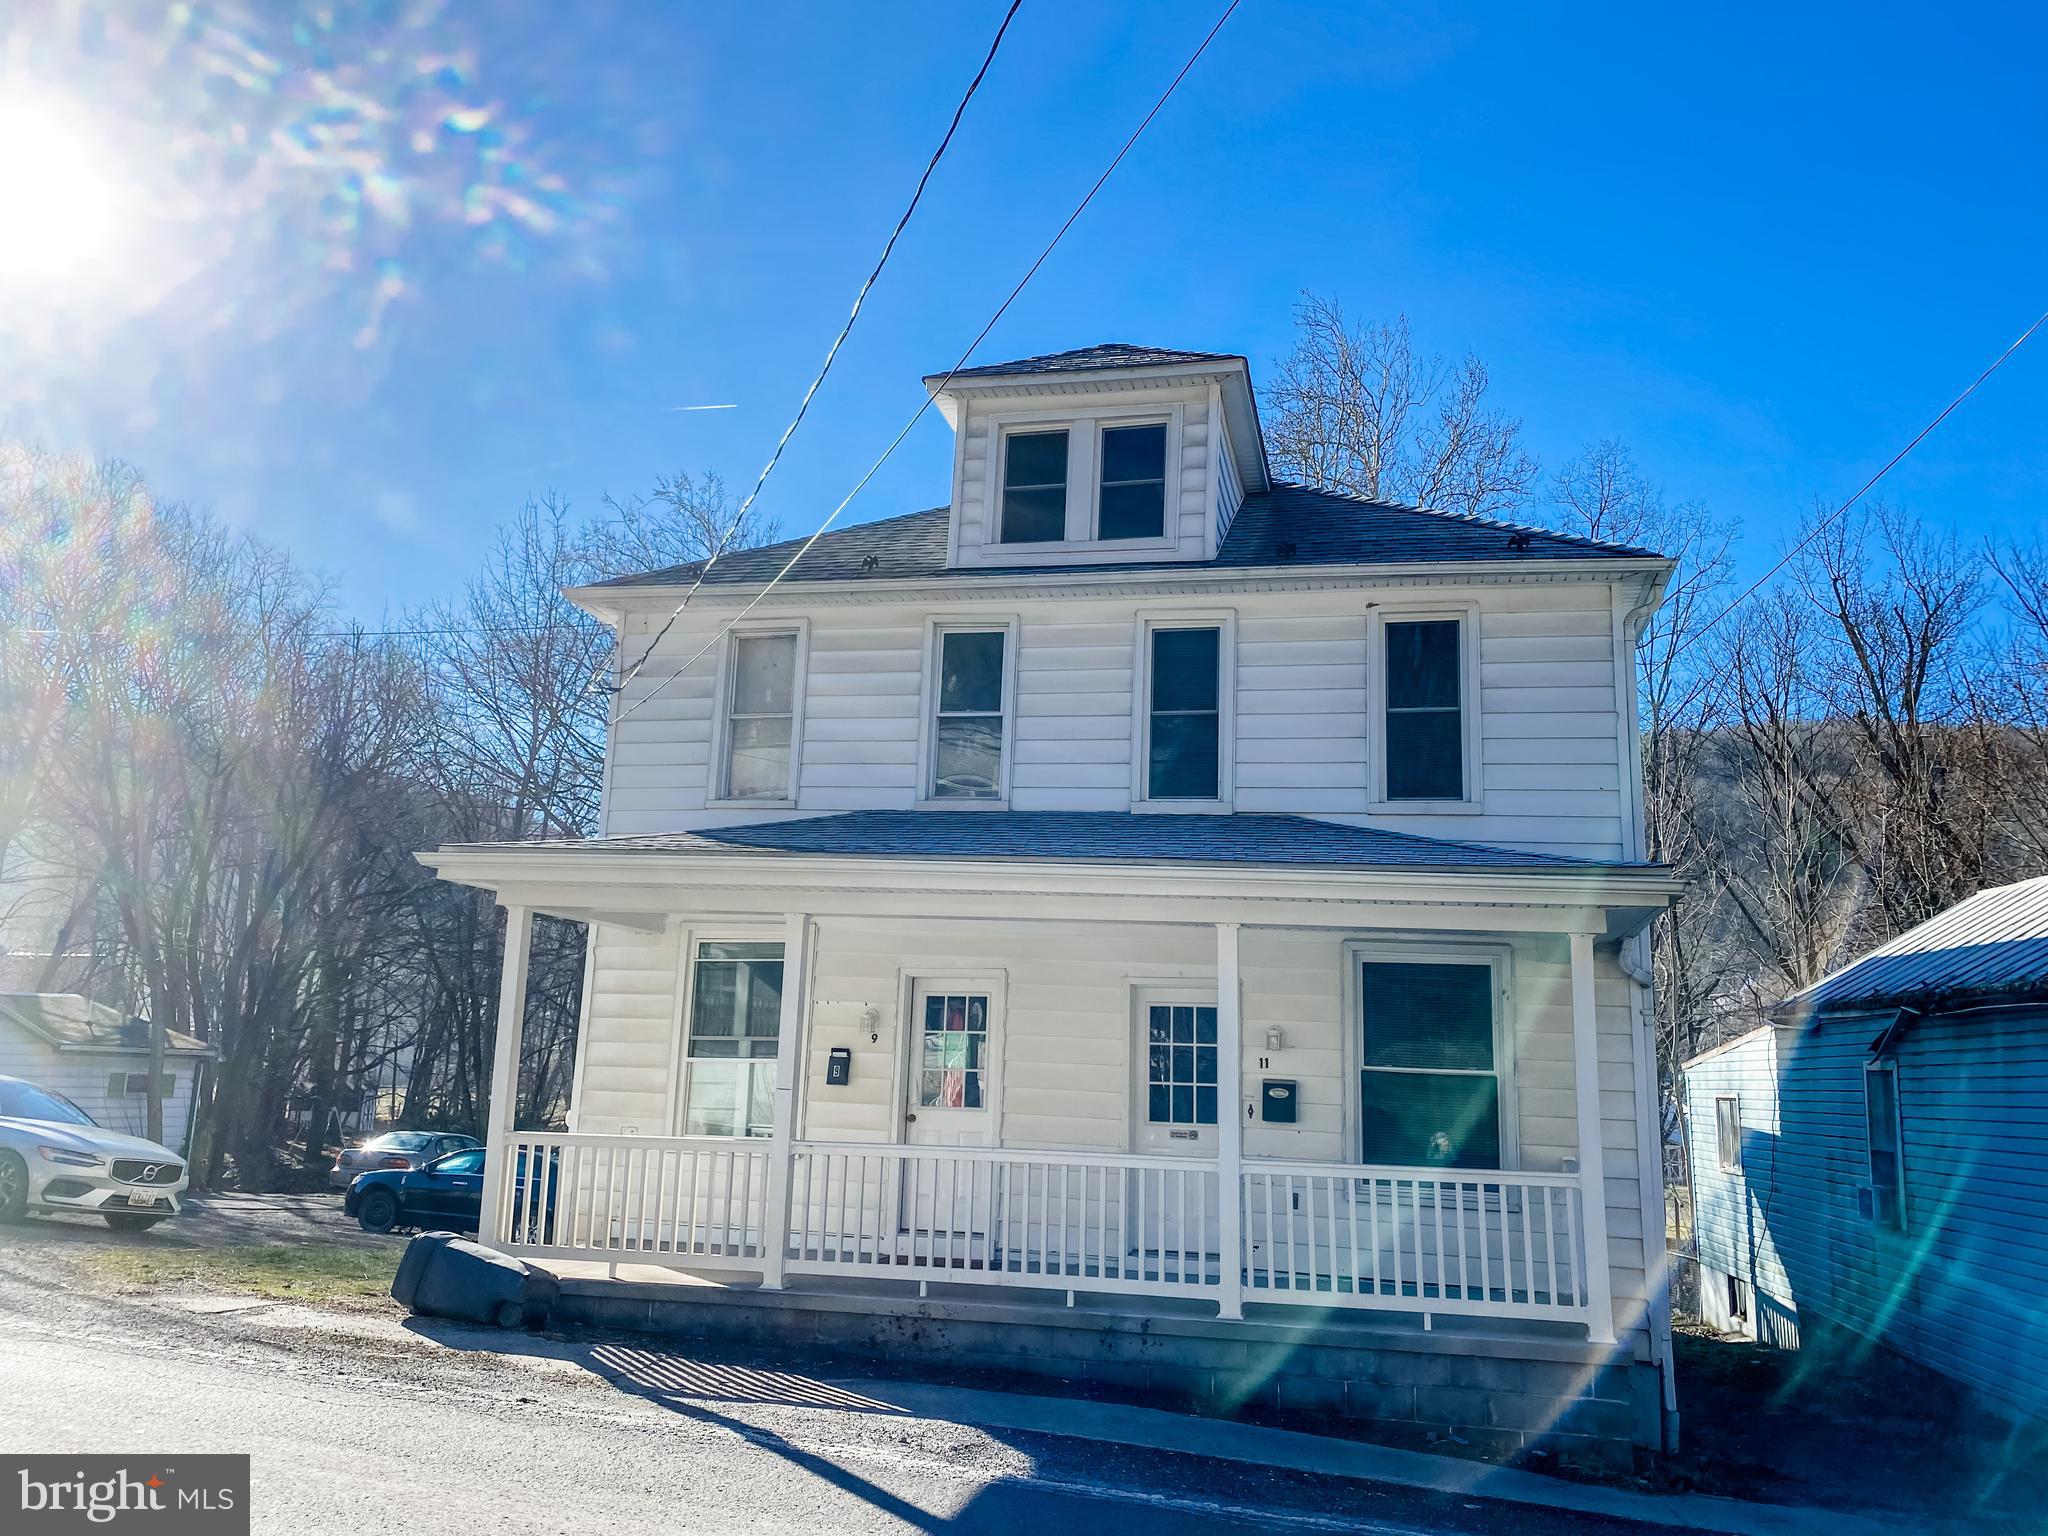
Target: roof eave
x,y
1590,564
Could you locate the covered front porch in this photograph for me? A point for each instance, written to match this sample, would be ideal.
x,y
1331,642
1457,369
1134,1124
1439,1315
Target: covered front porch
x,y
1142,1084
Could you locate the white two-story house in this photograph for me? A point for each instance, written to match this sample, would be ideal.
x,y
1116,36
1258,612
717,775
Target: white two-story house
x,y
1139,919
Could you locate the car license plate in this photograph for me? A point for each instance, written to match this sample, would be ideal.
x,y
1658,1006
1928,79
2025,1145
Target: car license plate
x,y
149,1200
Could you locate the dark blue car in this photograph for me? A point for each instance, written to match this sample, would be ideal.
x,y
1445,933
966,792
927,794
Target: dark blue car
x,y
446,1195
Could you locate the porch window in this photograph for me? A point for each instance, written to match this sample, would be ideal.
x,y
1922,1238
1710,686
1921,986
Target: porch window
x,y
1034,487
952,1051
1180,1064
1425,728
967,733
1132,496
760,716
1429,1092
735,1022
1184,729
1881,1131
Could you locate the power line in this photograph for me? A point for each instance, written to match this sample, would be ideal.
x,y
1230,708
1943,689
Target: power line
x,y
860,298
1890,464
933,392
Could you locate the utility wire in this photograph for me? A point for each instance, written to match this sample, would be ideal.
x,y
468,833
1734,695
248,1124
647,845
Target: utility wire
x,y
933,392
804,405
1892,463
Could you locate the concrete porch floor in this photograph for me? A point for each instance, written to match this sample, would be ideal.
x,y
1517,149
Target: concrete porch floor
x,y
1507,1387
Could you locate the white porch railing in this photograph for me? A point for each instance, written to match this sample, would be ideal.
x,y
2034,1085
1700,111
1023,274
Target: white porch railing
x,y
1063,1220
1485,1243
693,1200
1477,1243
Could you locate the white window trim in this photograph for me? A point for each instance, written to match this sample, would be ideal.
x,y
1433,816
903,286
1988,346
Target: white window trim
x,y
715,797
1084,430
1497,957
1467,615
1890,1067
1142,994
686,998
936,978
1225,620
1720,1155
935,629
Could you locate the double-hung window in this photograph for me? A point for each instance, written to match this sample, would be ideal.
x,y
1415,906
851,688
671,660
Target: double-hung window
x,y
1034,487
1430,1069
1183,749
1881,1131
760,717
1131,495
735,1023
971,666
1424,728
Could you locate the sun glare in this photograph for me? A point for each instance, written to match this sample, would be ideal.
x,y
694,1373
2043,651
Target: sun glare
x,y
60,197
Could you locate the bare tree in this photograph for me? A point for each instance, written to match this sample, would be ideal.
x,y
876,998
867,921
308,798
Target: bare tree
x,y
1356,409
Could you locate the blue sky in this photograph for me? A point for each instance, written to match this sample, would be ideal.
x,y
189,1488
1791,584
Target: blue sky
x,y
1762,246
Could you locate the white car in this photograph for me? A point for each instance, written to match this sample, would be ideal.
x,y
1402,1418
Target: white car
x,y
54,1158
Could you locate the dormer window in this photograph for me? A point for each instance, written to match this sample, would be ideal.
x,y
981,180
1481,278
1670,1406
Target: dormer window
x,y
1132,499
1034,487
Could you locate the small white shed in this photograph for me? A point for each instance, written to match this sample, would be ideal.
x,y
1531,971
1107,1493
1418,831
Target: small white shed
x,y
98,1057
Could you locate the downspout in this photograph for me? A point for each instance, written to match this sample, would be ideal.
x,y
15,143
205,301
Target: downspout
x,y
1634,958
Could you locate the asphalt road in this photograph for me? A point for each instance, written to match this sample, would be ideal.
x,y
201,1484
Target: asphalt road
x,y
370,1423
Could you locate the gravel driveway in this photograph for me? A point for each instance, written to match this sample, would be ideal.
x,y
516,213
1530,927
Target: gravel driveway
x,y
207,1221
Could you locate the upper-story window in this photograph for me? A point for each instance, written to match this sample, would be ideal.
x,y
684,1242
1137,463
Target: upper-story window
x,y
1184,711
1131,497
763,690
1034,487
968,713
1424,725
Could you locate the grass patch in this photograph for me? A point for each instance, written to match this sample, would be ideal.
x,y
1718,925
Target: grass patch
x,y
333,1276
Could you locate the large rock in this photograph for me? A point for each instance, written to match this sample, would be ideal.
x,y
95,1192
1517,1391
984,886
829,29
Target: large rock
x,y
443,1275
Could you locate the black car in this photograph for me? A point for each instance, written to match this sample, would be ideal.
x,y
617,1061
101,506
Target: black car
x,y
447,1195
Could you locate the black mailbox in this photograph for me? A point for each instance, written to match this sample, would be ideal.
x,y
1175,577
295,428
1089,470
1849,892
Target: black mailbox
x,y
1277,1100
839,1066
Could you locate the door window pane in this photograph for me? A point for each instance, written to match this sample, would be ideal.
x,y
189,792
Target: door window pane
x,y
1184,739
1425,733
968,733
760,717
1180,1064
952,1051
1133,490
735,1025
1429,1081
1034,487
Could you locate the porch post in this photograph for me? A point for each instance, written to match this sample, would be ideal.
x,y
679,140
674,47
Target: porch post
x,y
501,1113
789,1055
1229,1124
1592,1159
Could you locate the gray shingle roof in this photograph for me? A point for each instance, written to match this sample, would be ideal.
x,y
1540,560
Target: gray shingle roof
x,y
1994,944
1094,835
1288,525
71,1022
1110,354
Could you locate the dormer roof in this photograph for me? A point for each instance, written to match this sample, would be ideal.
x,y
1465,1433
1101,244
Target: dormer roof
x,y
1109,354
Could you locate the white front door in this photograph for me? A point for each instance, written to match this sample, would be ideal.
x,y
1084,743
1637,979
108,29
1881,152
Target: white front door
x,y
955,1042
1174,1085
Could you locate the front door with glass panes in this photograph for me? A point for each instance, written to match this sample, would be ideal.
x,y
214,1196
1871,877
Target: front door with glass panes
x,y
1168,1219
945,1206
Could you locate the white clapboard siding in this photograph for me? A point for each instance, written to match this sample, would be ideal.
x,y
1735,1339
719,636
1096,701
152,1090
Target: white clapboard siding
x,y
1549,723
630,1034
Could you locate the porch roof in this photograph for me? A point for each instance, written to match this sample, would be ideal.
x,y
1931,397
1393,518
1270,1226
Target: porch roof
x,y
1095,837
